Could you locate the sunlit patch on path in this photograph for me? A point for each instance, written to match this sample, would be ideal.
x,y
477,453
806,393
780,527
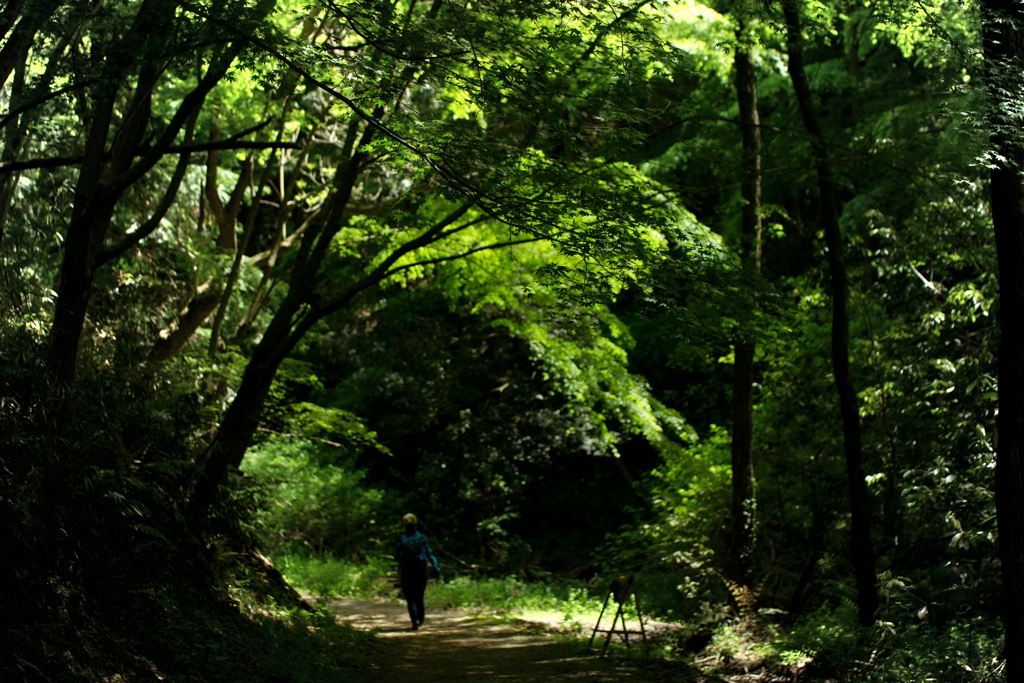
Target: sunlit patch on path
x,y
453,646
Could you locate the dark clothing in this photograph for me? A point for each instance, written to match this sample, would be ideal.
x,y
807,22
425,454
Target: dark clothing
x,y
412,553
414,583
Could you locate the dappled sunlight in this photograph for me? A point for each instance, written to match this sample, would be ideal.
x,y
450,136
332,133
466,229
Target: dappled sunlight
x,y
454,645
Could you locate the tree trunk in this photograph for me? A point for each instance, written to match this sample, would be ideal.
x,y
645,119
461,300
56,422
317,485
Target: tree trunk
x,y
860,512
198,310
1004,53
242,417
294,318
89,217
225,215
237,427
100,185
741,548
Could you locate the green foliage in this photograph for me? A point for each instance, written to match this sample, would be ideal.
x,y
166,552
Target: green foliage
x,y
571,599
913,648
672,552
591,372
439,378
313,500
830,635
968,650
749,644
328,577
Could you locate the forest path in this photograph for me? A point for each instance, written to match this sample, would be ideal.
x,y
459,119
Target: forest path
x,y
454,646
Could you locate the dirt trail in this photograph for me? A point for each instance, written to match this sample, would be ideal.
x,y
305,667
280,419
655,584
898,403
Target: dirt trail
x,y
454,647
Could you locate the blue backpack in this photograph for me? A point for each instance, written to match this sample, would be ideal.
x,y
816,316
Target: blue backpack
x,y
412,549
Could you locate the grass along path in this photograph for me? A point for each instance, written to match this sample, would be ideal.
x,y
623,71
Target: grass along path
x,y
454,646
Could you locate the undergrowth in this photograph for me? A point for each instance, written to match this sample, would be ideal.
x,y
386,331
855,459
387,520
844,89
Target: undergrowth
x,y
568,598
828,644
329,577
102,579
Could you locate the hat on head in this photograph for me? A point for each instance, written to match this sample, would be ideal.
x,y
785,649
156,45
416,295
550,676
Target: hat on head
x,y
409,519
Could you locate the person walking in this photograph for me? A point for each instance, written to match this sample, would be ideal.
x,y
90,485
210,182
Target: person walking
x,y
412,553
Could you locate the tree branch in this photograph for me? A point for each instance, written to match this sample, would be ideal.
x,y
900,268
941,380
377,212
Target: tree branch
x,y
303,436
373,277
147,228
605,30
57,162
198,310
350,103
454,257
14,113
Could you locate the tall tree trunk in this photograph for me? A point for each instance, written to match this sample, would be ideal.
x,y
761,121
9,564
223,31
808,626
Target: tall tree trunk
x,y
90,215
1004,57
242,417
860,512
741,549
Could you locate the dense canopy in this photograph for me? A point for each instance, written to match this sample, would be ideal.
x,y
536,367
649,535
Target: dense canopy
x,y
728,297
